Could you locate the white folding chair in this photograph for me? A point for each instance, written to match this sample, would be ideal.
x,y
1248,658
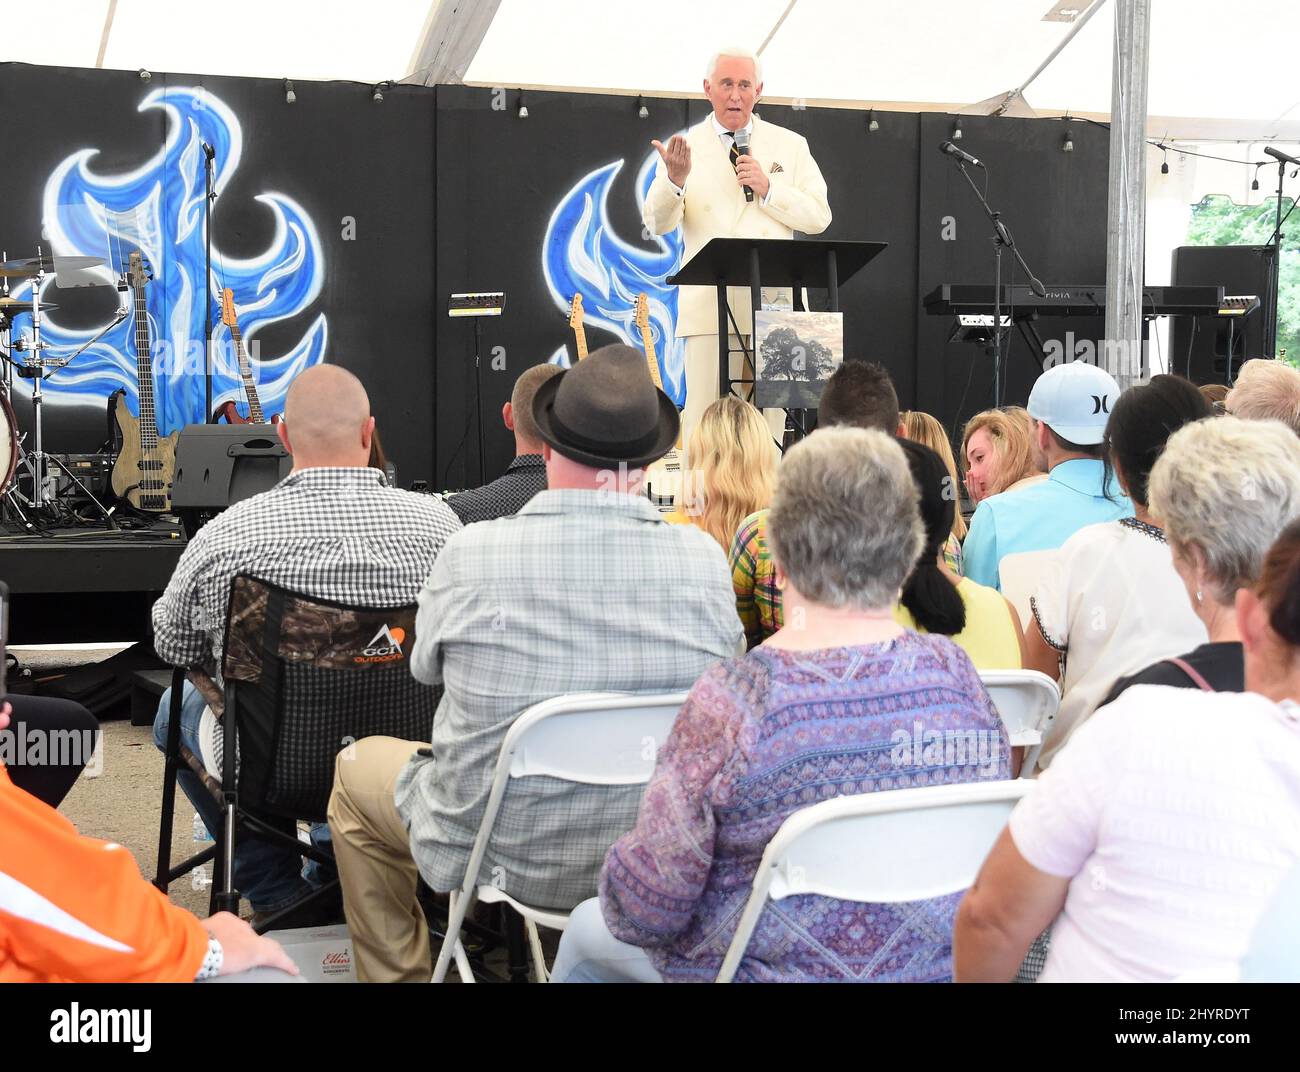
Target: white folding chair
x,y
1027,702
878,848
594,738
1018,577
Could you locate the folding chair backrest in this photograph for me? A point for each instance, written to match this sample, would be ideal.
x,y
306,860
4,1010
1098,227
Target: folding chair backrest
x,y
877,848
592,738
309,677
1027,702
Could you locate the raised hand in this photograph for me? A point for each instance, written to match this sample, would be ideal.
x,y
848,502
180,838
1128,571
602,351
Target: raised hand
x,y
676,156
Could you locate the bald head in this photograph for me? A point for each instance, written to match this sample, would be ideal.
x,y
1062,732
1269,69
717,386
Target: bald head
x,y
327,419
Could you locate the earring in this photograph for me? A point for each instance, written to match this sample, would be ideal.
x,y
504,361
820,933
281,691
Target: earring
x,y
1198,595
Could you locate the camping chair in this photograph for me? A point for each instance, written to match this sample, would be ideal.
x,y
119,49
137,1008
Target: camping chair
x,y
879,848
1027,702
595,738
304,678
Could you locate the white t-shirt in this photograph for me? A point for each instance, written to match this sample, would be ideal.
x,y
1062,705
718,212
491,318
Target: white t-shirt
x,y
1114,601
1176,813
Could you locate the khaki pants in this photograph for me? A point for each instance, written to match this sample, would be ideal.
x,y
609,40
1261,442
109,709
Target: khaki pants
x,y
702,382
390,938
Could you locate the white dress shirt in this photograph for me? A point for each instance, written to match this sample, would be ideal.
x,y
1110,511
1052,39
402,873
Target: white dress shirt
x,y
728,139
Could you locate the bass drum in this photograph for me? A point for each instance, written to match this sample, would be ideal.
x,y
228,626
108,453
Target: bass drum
x,y
8,444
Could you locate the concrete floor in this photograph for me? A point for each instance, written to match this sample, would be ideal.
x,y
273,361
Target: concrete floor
x,y
122,803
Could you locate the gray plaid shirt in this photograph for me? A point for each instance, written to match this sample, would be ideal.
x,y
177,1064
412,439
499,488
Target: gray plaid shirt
x,y
582,591
334,533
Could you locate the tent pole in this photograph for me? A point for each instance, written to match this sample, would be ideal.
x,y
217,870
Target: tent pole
x,y
1121,353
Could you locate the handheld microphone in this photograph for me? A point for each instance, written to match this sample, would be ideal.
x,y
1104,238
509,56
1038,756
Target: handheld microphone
x,y
966,158
1277,154
742,147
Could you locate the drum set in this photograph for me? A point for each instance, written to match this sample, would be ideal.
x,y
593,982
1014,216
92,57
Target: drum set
x,y
28,483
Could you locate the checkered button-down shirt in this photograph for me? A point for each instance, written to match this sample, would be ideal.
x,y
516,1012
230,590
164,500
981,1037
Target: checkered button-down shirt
x,y
506,495
333,533
582,591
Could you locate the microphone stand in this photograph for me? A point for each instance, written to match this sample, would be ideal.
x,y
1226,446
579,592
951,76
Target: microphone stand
x,y
1001,238
208,198
1274,271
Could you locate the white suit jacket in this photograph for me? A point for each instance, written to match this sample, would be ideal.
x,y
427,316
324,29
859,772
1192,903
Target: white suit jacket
x,y
714,206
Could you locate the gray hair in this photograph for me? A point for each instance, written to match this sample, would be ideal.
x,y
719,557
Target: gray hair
x,y
1266,390
735,53
845,524
1227,486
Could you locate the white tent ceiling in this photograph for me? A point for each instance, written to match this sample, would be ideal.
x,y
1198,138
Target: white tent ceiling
x,y
1216,70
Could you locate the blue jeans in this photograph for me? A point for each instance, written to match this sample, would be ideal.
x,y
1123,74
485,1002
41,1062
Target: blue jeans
x,y
269,876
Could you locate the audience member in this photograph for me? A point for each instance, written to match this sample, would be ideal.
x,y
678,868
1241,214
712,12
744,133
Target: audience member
x,y
48,744
732,466
1160,834
922,428
980,621
829,705
1215,394
1224,490
1067,410
585,589
74,909
332,529
997,455
526,475
1274,953
1111,600
859,394
1266,390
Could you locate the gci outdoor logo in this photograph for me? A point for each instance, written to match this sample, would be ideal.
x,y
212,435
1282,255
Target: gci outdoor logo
x,y
385,646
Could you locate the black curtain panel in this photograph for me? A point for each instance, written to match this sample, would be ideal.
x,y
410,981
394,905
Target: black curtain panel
x,y
343,225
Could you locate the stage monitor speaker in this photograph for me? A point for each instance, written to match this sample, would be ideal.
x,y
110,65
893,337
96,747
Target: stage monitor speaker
x,y
1199,344
218,465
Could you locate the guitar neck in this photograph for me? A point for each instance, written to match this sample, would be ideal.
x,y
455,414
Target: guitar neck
x,y
144,373
580,340
246,374
652,362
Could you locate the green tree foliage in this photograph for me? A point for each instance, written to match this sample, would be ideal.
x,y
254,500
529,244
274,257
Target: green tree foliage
x,y
1218,221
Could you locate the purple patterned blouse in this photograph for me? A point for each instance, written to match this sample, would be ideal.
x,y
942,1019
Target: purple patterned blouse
x,y
761,736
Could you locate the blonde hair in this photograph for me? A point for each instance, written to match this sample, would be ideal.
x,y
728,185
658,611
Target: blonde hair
x,y
1008,430
733,468
1266,390
926,430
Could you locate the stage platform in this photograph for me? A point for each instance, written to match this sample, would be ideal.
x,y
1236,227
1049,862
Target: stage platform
x,y
71,585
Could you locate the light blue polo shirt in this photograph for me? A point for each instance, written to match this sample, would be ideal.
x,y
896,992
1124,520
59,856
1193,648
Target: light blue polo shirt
x,y
1039,518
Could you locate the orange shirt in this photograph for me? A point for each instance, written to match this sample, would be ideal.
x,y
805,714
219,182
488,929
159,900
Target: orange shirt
x,y
76,909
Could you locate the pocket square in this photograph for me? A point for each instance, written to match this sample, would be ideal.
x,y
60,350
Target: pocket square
x,y
775,168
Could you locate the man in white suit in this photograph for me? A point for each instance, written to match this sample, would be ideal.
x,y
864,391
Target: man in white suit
x,y
700,185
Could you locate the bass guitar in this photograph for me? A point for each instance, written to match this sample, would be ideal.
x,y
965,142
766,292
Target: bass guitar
x,y
146,465
228,411
665,475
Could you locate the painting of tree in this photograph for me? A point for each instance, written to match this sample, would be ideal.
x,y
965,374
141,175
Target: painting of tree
x,y
797,352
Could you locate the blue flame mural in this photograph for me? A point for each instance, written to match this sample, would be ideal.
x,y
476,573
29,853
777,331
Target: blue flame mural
x,y
582,254
159,209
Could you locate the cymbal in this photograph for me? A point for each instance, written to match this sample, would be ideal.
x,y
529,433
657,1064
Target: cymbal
x,y
13,306
29,266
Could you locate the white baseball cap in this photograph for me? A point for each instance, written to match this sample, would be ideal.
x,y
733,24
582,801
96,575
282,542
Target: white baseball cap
x,y
1074,400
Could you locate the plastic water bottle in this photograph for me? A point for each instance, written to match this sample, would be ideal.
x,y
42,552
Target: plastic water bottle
x,y
200,829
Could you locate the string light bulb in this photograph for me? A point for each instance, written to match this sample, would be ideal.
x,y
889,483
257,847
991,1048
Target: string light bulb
x,y
873,124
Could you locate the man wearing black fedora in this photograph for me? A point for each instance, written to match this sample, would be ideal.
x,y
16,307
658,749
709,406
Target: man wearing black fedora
x,y
585,589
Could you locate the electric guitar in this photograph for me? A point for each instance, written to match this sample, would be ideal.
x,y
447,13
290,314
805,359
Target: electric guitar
x,y
228,411
146,465
575,322
666,473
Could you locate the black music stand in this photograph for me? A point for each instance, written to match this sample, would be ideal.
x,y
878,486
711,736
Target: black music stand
x,y
773,262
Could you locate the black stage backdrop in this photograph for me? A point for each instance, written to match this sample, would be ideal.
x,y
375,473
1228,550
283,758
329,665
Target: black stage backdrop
x,y
436,191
